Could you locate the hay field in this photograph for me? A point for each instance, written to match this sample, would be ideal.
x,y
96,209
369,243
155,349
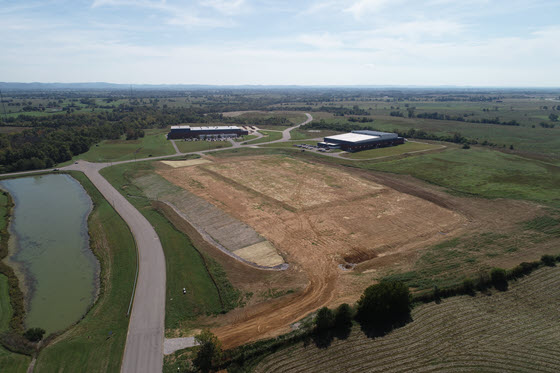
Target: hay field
x,y
513,331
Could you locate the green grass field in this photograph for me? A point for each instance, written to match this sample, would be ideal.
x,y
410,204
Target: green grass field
x,y
482,172
245,138
268,136
184,265
89,346
299,134
392,150
196,146
153,144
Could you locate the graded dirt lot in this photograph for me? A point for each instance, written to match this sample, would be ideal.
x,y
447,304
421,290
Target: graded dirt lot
x,y
325,220
318,217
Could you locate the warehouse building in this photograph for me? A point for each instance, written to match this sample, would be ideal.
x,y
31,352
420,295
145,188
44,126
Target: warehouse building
x,y
214,132
361,140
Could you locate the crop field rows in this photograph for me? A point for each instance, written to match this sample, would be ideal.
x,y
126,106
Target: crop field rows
x,y
515,331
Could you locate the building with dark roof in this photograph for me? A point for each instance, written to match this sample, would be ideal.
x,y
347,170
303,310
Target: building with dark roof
x,y
188,132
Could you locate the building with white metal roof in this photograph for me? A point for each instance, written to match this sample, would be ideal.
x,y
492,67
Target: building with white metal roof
x,y
361,140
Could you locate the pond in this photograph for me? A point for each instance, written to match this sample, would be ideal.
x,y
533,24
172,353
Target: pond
x,y
49,249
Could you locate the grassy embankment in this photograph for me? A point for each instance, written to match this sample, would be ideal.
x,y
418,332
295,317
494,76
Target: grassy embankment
x,y
9,362
196,146
154,143
185,266
96,343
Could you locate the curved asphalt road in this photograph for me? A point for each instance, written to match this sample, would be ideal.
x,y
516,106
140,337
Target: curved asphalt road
x,y
144,343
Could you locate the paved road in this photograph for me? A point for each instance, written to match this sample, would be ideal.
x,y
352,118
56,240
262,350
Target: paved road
x,y
144,343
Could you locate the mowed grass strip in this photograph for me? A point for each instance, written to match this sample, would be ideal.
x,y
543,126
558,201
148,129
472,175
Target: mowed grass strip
x,y
154,143
482,172
96,344
197,146
184,265
516,330
407,147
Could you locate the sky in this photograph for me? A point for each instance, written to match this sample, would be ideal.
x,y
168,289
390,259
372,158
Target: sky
x,y
507,43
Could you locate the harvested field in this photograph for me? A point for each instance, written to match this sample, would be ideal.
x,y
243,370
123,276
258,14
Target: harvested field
x,y
513,331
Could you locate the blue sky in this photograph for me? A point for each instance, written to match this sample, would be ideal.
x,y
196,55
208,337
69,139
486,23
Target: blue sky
x,y
304,42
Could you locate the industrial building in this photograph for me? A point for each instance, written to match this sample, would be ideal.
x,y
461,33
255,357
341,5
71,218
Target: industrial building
x,y
214,132
361,140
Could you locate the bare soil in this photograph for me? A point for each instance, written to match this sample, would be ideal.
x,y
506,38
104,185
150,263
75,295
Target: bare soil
x,y
321,216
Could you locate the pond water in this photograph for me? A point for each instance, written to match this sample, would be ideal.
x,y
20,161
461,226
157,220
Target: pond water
x,y
49,248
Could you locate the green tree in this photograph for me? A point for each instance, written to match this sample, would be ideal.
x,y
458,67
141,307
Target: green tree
x,y
553,117
209,351
384,303
343,316
324,319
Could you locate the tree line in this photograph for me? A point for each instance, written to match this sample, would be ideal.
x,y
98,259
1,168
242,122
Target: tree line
x,y
57,138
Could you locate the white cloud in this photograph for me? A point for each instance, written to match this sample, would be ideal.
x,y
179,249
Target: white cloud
x,y
362,7
228,7
323,40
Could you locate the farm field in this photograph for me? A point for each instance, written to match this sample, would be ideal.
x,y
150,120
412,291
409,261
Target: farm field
x,y
393,150
515,331
196,146
96,343
154,143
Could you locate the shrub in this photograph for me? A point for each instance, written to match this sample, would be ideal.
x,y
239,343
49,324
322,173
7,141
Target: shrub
x,y
468,286
499,278
548,260
34,334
